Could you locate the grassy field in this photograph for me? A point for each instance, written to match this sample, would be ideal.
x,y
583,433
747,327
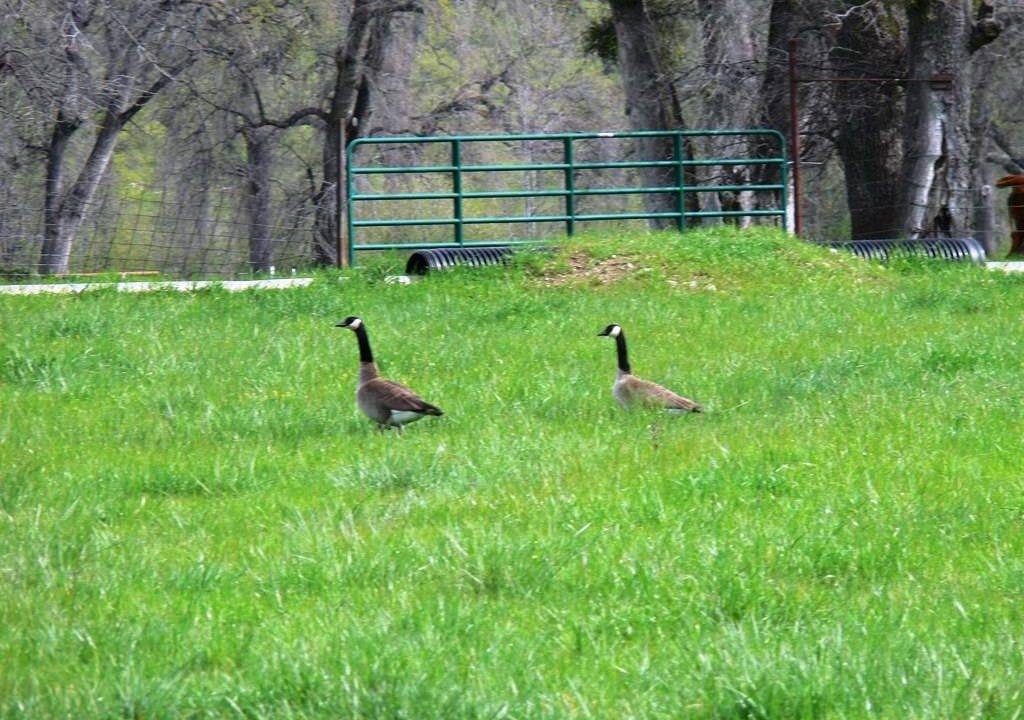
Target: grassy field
x,y
195,521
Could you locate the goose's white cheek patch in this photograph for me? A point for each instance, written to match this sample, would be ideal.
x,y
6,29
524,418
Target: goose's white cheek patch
x,y
616,331
356,324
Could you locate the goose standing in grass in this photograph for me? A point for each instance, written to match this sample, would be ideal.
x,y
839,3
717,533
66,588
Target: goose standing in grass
x,y
630,390
385,402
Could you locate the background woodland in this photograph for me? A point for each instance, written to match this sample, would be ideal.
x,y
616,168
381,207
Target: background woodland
x,y
198,136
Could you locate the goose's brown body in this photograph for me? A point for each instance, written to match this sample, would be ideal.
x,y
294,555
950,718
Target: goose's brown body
x,y
630,390
387,403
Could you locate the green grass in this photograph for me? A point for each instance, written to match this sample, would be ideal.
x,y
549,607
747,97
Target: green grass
x,y
196,522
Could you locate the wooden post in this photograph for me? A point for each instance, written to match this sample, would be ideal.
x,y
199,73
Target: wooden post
x,y
340,196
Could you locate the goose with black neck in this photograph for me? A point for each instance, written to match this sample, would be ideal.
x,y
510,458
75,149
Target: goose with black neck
x,y
631,391
387,403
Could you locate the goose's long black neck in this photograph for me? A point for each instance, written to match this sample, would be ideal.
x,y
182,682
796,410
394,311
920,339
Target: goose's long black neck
x,y
365,354
620,346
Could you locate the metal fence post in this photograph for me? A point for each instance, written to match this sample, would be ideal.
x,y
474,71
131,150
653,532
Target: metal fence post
x,y
784,182
677,151
570,188
457,189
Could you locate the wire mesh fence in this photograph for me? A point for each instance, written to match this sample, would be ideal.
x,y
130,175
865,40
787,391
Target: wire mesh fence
x,y
878,206
193,221
866,177
167,229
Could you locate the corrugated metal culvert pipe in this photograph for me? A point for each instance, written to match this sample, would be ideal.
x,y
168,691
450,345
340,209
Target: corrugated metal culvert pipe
x,y
955,249
423,261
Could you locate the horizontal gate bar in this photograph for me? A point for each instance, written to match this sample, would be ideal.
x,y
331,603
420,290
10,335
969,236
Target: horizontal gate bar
x,y
428,245
624,135
560,218
737,213
423,169
478,194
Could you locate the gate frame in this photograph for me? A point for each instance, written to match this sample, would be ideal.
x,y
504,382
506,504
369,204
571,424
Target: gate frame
x,y
569,191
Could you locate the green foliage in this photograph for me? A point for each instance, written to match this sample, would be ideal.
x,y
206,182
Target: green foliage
x,y
196,522
599,39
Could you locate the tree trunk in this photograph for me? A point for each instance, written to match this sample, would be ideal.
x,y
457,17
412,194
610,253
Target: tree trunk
x,y
773,98
651,101
349,61
63,129
937,141
259,165
870,116
70,213
122,97
384,103
730,94
194,198
786,19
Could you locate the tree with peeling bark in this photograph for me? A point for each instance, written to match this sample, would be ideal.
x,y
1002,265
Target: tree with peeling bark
x,y
936,176
902,85
994,150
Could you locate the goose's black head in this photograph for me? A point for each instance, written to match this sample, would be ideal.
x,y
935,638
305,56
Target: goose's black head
x,y
351,322
612,330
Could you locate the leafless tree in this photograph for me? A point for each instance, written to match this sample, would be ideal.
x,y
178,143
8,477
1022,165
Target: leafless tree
x,y
258,82
92,66
365,65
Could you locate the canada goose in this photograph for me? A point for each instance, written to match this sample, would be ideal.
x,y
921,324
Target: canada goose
x,y
386,403
630,390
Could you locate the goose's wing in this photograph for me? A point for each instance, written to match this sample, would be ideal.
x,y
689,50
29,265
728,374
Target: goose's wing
x,y
654,394
394,396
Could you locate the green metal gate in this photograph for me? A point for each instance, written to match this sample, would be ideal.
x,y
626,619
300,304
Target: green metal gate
x,y
456,195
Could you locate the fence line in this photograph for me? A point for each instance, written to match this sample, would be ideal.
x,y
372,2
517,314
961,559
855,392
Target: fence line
x,y
203,229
